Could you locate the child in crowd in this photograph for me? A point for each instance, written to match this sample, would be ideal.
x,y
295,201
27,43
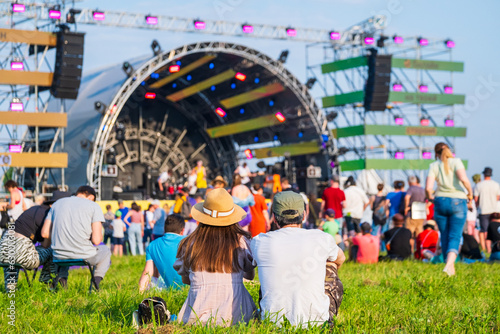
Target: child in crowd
x,y
331,226
213,260
118,233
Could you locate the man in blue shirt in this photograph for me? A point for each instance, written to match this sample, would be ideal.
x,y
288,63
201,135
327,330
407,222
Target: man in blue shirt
x,y
395,198
161,254
159,217
124,210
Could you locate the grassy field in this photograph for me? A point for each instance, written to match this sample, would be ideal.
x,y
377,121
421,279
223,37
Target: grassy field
x,y
404,297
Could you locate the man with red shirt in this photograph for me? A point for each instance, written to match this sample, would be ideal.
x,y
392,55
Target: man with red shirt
x,y
333,198
365,246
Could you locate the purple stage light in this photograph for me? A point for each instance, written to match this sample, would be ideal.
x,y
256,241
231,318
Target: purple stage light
x,y
15,148
448,90
399,120
55,14
334,35
98,16
399,155
423,88
450,44
423,41
426,155
369,40
449,122
291,32
152,20
16,106
398,39
16,65
332,164
397,87
200,25
18,8
247,29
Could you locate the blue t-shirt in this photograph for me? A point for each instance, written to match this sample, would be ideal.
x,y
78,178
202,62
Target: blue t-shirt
x,y
395,198
124,212
159,217
163,252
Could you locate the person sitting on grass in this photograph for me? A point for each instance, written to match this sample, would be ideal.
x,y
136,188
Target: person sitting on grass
x,y
365,246
427,241
119,229
214,260
297,267
398,240
494,236
331,226
74,225
161,255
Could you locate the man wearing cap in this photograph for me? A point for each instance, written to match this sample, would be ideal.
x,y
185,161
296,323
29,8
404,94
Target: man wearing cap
x,y
74,226
486,195
293,263
26,233
159,216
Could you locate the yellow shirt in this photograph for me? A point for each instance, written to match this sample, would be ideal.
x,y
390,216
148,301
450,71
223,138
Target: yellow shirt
x,y
201,181
178,204
448,183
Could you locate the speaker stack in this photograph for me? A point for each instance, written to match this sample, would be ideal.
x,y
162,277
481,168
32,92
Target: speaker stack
x,y
378,82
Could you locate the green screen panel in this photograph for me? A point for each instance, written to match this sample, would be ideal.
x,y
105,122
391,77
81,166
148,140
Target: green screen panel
x,y
342,99
350,131
243,126
191,90
437,65
253,95
388,164
344,64
398,130
425,98
292,149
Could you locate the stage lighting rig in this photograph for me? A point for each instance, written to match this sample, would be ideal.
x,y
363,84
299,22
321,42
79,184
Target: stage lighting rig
x,y
310,83
155,46
127,68
100,107
70,16
283,56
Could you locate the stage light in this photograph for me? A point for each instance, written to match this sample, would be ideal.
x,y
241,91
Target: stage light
x,y
120,132
127,68
113,109
248,153
448,89
15,148
381,41
256,139
98,16
256,80
16,65
152,20
334,35
399,155
301,134
189,77
397,87
55,14
155,46
426,155
423,41
211,65
449,43
18,8
332,164
280,117
240,76
271,102
233,85
155,75
325,137
276,137
98,106
174,85
178,62
398,39
399,120
200,25
291,32
247,29
423,88
150,95
16,105
70,16
449,122
212,88
330,117
283,56
369,40
242,111
424,121
310,83
220,112
174,68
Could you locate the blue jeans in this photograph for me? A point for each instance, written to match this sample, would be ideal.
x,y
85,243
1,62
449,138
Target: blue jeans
x,y
135,238
378,230
495,256
450,215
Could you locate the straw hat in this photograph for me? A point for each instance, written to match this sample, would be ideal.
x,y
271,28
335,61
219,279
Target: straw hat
x,y
219,179
218,209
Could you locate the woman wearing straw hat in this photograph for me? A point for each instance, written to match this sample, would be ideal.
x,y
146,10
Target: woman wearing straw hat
x,y
213,260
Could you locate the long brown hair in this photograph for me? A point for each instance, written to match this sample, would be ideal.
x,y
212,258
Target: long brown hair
x,y
443,152
212,248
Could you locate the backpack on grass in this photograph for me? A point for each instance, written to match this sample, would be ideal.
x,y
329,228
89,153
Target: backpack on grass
x,y
159,307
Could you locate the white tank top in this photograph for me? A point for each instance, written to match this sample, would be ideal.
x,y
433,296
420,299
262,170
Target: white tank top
x,y
17,210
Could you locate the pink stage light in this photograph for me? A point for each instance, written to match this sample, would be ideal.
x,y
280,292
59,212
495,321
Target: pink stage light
x,y
425,122
152,20
240,76
423,41
399,121
220,112
55,14
448,90
450,44
18,8
397,87
174,68
247,29
248,153
423,88
426,155
334,35
449,122
398,40
399,155
98,16
291,32
280,117
15,148
150,95
369,40
200,25
16,65
16,106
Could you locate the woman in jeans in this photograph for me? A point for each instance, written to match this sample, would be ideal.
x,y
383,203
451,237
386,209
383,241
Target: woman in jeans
x,y
136,229
450,201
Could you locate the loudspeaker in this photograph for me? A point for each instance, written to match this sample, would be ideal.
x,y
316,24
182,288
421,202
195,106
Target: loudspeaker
x,y
68,68
378,82
107,188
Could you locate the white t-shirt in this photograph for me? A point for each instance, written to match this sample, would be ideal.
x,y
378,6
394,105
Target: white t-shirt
x,y
244,173
355,199
292,269
488,192
118,225
163,177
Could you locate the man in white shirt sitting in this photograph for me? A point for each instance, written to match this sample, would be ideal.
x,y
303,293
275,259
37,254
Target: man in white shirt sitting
x,y
293,263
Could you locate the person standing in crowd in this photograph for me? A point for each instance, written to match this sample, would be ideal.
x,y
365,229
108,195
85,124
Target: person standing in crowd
x,y
191,182
109,216
396,200
333,198
163,183
243,197
380,207
355,205
486,195
286,186
494,236
315,212
74,226
304,297
260,216
365,246
201,177
119,229
159,217
124,210
415,207
16,205
244,172
26,233
39,199
214,260
217,183
136,229
161,255
427,241
148,225
450,201
398,240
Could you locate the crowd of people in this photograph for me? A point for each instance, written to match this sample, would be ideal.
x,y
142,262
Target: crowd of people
x,y
213,238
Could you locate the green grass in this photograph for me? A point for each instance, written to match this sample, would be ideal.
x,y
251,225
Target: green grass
x,y
404,297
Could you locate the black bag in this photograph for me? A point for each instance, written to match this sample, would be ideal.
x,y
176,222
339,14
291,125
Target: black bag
x,y
4,219
186,209
162,315
379,211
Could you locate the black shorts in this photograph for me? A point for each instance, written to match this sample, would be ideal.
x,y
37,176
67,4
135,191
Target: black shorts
x,y
117,241
484,222
353,224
